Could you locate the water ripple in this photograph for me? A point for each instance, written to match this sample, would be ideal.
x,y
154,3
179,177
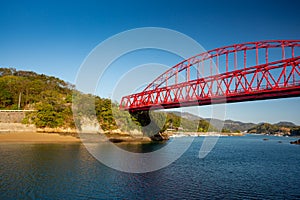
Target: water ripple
x,y
237,168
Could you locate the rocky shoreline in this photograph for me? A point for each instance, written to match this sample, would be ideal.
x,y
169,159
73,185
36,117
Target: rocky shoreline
x,y
115,136
296,142
198,134
122,137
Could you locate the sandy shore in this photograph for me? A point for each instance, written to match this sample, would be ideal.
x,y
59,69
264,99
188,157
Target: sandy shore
x,y
35,138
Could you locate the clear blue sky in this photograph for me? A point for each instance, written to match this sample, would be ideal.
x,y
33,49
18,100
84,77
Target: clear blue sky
x,y
54,37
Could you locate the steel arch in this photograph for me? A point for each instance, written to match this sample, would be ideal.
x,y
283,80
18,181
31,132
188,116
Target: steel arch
x,y
272,76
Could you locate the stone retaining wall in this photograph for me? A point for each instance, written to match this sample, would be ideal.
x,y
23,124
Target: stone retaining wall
x,y
11,116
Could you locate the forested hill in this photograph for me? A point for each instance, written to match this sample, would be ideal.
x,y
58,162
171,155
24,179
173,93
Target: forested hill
x,y
30,87
49,96
52,99
281,128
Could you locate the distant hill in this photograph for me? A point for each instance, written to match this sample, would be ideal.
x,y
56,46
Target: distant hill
x,y
281,128
233,126
285,124
237,125
186,115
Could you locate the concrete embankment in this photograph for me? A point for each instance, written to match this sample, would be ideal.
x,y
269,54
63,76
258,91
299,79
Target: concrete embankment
x,y
10,121
16,127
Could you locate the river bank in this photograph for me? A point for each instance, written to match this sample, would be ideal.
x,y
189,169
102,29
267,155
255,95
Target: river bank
x,y
24,133
18,132
33,137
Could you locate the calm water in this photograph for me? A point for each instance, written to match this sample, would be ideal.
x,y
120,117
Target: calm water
x,y
237,168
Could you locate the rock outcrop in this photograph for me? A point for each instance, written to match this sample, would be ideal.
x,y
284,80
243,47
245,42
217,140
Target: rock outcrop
x,y
160,137
296,142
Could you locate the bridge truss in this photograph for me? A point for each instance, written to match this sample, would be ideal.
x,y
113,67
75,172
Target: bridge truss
x,y
236,73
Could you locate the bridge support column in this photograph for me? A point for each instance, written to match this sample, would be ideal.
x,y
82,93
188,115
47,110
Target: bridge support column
x,y
149,126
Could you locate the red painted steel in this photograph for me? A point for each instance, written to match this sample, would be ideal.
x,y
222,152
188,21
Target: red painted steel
x,y
276,76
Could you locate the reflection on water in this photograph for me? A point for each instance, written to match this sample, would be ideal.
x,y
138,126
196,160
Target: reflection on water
x,y
142,148
238,167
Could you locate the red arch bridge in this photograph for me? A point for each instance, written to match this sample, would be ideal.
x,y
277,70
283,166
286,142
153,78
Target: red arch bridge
x,y
241,72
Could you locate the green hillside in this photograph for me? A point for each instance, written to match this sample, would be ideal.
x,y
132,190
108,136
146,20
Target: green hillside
x,y
48,95
52,99
281,128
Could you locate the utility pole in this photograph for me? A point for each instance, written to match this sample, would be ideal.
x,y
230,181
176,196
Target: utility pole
x,y
19,104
